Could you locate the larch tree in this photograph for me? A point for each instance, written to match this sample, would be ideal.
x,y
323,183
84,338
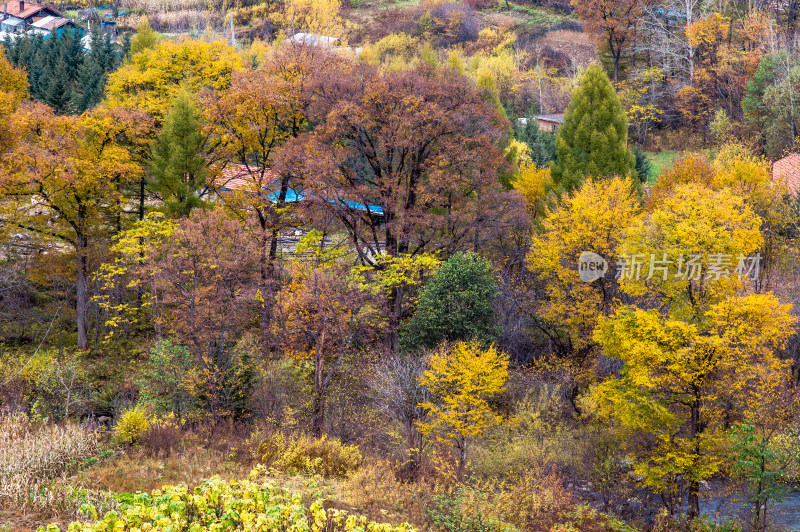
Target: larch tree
x,y
145,37
593,141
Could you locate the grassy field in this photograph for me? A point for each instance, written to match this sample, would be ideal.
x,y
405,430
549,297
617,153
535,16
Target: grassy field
x,y
659,161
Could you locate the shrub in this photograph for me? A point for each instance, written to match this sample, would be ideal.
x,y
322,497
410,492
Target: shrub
x,y
132,425
219,505
323,456
164,380
456,304
162,436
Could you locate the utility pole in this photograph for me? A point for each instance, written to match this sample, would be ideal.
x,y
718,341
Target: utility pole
x,y
233,37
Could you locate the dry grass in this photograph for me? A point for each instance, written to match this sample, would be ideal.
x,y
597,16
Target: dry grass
x,y
32,457
135,470
572,37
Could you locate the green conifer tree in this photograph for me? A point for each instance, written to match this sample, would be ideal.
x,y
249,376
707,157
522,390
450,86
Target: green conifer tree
x,y
89,87
58,93
542,144
593,141
178,167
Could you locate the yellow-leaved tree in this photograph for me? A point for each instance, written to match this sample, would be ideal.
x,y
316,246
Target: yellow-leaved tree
x,y
592,219
313,16
689,253
462,379
534,183
692,360
13,90
681,382
156,75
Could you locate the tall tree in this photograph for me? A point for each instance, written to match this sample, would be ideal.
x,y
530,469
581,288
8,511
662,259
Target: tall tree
x,y
593,141
248,124
677,379
179,166
408,162
61,183
615,19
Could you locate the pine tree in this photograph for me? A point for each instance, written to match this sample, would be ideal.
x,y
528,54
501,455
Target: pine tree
x,y
57,94
178,166
592,142
542,144
89,88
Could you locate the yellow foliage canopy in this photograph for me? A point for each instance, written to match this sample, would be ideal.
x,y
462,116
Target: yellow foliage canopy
x,y
155,76
593,219
461,380
702,233
680,379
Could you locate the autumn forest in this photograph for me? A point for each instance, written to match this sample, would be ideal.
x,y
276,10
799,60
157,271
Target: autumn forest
x,y
383,265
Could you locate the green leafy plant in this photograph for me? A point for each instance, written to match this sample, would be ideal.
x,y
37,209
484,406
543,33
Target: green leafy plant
x,y
239,505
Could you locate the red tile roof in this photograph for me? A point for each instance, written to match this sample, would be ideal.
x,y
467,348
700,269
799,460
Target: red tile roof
x,y
787,172
28,10
239,177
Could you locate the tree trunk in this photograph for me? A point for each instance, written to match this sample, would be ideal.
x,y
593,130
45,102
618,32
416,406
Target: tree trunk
x,y
268,252
318,416
462,460
616,55
694,486
694,500
81,296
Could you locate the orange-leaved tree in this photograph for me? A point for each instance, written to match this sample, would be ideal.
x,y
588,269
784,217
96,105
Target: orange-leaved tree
x,y
61,183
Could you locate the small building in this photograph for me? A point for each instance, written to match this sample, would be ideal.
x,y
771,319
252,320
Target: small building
x,y
786,171
313,39
52,24
28,11
11,24
549,123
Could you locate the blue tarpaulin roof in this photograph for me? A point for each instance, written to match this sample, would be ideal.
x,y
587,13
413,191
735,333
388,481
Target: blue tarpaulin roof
x,y
293,196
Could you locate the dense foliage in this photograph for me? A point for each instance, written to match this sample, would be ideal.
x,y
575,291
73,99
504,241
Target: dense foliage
x,y
360,246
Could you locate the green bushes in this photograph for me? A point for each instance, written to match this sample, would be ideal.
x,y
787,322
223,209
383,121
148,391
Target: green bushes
x,y
323,456
456,304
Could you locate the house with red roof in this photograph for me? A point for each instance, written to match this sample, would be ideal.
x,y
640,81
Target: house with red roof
x,y
36,17
787,172
28,11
